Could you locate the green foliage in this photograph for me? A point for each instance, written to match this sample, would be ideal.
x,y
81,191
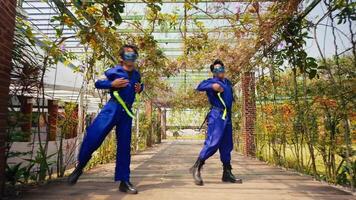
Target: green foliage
x,y
110,9
345,176
294,37
16,174
16,120
306,130
186,117
26,59
154,5
35,170
43,164
347,10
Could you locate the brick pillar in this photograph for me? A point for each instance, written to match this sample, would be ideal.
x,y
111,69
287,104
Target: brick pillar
x,y
248,112
148,116
7,24
163,124
74,117
52,119
26,121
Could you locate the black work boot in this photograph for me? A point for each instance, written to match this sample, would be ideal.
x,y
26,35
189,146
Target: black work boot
x,y
228,176
195,170
74,176
127,187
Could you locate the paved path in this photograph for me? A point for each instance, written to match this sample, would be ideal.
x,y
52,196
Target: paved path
x,y
161,173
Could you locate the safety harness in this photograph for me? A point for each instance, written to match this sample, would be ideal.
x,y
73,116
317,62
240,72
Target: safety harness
x,y
122,103
223,103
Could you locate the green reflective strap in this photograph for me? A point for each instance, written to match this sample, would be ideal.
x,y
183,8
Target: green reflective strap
x,y
225,110
122,103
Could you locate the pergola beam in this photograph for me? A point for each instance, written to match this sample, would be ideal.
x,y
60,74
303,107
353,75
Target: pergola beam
x,y
142,17
130,30
174,1
163,41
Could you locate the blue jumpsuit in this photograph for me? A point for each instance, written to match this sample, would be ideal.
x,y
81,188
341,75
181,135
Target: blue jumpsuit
x,y
112,115
219,133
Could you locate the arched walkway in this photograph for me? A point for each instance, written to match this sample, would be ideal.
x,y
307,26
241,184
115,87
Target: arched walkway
x,y
261,41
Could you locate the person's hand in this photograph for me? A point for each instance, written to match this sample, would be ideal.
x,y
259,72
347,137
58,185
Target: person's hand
x,y
217,87
138,87
119,83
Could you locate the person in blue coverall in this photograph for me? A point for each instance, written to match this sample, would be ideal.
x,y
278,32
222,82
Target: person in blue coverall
x,y
219,134
123,81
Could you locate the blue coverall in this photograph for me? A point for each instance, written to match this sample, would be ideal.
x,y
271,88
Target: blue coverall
x,y
219,133
112,115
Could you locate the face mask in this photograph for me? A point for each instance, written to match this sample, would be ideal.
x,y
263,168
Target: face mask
x,y
129,56
219,69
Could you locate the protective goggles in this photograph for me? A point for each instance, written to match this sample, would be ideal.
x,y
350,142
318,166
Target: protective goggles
x,y
218,69
129,56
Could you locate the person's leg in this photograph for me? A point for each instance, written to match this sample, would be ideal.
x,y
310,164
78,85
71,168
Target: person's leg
x,y
225,148
226,145
97,131
94,137
215,130
123,153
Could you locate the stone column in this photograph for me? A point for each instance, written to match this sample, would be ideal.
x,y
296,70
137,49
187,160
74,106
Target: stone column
x,y
52,119
248,112
7,25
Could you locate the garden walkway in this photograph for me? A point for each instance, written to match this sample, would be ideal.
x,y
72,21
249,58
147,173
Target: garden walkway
x,y
161,173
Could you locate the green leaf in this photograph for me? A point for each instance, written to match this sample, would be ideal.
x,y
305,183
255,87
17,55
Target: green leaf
x,y
312,73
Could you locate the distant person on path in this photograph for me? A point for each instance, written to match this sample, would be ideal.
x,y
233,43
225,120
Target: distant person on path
x,y
123,81
219,133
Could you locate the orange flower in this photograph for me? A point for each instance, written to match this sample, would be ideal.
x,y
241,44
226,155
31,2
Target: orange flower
x,y
287,111
268,109
326,102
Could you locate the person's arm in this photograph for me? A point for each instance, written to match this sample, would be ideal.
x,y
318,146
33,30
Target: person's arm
x,y
207,86
107,84
103,84
111,73
113,80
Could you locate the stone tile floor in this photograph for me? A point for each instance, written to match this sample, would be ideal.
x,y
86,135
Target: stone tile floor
x,y
161,173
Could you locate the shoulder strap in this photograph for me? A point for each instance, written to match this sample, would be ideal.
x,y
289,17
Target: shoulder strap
x,y
223,103
122,103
